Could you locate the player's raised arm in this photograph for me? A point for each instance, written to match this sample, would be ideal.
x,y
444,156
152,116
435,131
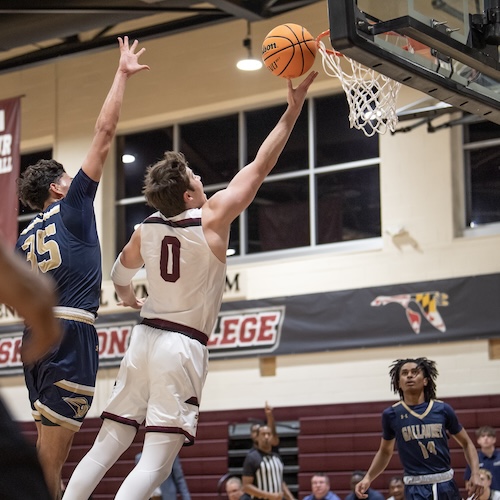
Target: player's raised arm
x,y
228,203
107,121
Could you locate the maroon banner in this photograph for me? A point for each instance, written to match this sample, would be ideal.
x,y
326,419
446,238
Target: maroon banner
x,y
10,136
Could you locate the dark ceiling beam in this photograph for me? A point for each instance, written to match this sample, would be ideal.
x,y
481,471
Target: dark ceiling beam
x,y
108,10
251,10
75,47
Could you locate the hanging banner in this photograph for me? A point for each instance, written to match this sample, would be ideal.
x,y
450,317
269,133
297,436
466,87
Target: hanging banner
x,y
413,313
10,136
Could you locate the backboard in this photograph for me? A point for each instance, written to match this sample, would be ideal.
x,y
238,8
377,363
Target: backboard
x,y
445,48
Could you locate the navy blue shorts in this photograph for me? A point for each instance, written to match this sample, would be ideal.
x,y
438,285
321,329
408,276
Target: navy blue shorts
x,y
61,385
445,491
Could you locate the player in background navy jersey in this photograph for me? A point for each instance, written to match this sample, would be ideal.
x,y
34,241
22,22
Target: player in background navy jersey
x,y
419,424
62,241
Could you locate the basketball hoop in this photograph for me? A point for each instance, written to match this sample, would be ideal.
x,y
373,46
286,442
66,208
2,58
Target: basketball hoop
x,y
371,95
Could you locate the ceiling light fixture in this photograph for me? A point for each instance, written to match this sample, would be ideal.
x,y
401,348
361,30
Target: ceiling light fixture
x,y
250,63
127,158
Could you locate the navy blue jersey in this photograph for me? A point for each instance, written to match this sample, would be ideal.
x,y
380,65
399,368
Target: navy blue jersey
x,y
62,241
421,435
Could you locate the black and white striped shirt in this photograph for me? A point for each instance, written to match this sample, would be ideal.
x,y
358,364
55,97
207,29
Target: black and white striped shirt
x,y
266,470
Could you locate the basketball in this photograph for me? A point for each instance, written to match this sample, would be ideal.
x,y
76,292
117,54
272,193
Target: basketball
x,y
289,50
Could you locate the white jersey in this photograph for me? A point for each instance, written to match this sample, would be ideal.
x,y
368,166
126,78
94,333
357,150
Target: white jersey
x,y
186,280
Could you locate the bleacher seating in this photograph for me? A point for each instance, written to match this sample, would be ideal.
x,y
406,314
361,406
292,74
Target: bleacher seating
x,y
335,439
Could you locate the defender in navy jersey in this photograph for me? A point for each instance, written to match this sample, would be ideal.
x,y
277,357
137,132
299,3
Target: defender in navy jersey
x,y
420,425
183,248
62,241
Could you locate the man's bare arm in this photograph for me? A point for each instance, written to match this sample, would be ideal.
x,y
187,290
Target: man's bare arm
x,y
225,205
107,120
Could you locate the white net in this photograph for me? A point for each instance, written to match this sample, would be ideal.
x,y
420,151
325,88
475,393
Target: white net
x,y
371,95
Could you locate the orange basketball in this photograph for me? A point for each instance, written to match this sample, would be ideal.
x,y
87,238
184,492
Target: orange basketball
x,y
289,50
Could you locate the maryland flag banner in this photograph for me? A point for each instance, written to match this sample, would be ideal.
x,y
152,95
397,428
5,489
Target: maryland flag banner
x,y
10,132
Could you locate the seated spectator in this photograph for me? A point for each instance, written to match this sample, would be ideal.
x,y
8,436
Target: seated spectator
x,y
234,489
485,477
356,477
396,488
320,487
489,456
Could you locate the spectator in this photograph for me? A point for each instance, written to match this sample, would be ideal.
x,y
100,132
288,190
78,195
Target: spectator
x,y
489,456
396,488
485,477
263,470
320,487
356,477
234,489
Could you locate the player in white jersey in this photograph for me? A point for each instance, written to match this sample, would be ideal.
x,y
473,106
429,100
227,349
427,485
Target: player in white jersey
x,y
183,247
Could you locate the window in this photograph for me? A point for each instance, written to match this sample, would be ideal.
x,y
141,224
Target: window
x,y
482,173
324,188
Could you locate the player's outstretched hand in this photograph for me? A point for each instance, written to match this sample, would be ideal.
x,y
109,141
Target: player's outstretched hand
x,y
296,97
129,59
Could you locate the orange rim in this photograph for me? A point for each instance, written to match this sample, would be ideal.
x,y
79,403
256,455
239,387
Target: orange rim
x,y
332,52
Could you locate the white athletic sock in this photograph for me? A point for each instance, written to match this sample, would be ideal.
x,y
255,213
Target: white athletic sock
x,y
113,439
154,466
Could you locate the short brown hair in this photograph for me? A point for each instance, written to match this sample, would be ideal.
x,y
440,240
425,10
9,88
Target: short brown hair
x,y
33,186
166,182
486,430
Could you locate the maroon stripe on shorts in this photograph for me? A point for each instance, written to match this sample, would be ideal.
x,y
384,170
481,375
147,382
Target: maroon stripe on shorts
x,y
171,430
117,418
170,326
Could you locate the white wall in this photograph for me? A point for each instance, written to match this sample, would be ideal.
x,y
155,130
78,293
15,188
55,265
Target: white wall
x,y
192,76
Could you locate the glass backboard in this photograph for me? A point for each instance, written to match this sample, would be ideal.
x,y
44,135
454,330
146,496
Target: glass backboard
x,y
445,48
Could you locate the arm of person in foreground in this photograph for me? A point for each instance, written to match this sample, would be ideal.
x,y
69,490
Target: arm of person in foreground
x,y
380,462
32,296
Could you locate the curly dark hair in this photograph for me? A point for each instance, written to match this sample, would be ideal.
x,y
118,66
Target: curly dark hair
x,y
166,182
428,368
34,184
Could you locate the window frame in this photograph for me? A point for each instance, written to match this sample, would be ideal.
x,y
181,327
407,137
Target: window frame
x,y
310,172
